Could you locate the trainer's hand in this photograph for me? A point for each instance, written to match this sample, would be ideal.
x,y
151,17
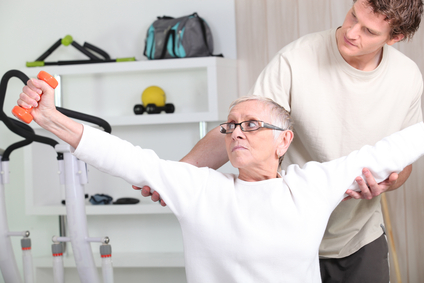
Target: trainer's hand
x,y
371,188
145,192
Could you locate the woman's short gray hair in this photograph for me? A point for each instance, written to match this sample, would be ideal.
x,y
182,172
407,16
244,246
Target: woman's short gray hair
x,y
280,117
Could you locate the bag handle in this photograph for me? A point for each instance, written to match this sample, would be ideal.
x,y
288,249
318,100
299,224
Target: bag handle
x,y
170,33
165,18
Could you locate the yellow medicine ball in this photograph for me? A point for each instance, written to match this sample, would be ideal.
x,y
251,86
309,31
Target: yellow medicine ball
x,y
155,95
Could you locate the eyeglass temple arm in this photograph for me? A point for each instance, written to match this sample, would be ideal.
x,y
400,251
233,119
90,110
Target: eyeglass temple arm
x,y
269,126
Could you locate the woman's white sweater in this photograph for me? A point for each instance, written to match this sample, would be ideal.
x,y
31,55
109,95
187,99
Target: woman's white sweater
x,y
237,231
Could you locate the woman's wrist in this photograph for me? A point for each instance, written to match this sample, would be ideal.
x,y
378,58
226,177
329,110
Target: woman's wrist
x,y
63,127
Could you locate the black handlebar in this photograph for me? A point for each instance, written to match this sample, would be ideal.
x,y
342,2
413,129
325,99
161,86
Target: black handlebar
x,y
26,131
6,153
16,126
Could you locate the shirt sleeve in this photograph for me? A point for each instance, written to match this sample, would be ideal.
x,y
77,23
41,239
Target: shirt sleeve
x,y
391,154
275,81
177,182
414,114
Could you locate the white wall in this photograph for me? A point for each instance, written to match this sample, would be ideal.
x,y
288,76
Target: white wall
x,y
28,28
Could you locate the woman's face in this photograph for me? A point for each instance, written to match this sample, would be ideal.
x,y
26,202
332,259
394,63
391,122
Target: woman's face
x,y
251,150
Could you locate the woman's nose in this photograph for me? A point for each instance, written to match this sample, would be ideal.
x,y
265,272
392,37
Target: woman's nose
x,y
237,133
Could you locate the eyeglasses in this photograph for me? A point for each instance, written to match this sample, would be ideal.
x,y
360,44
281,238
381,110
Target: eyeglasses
x,y
247,126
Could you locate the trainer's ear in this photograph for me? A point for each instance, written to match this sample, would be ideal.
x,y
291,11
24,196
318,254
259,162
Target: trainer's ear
x,y
284,141
395,39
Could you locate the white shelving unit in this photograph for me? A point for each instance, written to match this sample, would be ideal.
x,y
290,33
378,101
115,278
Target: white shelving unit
x,y
200,88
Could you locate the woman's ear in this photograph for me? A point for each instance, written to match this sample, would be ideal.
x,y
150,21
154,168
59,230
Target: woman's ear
x,y
284,141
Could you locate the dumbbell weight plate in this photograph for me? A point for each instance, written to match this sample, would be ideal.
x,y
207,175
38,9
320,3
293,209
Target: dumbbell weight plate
x,y
169,108
139,109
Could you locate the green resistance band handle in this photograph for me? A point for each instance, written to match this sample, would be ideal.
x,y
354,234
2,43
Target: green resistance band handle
x,y
125,59
35,64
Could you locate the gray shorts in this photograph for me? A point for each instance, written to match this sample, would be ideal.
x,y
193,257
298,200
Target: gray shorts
x,y
368,265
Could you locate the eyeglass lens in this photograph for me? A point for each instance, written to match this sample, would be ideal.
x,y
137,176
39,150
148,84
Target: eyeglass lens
x,y
246,126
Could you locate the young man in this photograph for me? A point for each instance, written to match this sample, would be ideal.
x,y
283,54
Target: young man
x,y
344,88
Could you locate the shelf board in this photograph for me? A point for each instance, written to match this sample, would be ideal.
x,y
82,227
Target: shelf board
x,y
153,208
123,260
151,119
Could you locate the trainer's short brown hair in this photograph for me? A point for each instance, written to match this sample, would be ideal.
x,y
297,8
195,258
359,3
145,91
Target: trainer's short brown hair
x,y
404,16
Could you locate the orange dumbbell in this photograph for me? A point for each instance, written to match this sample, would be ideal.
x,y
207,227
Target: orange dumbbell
x,y
23,113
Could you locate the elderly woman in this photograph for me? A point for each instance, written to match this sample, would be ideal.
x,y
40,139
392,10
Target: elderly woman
x,y
231,232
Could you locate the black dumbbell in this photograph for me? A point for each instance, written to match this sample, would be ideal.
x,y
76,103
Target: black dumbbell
x,y
139,109
153,109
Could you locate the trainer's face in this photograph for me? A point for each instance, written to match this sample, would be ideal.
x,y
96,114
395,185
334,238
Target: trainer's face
x,y
363,33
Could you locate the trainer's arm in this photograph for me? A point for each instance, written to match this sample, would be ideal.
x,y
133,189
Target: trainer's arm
x,y
209,151
402,177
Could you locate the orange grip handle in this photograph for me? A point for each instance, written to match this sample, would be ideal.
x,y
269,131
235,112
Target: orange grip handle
x,y
23,113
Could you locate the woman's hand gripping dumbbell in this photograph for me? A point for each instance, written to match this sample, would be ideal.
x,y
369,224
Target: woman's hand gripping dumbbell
x,y
29,100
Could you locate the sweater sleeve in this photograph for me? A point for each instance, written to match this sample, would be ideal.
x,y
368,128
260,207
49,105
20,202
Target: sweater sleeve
x,y
177,182
389,155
